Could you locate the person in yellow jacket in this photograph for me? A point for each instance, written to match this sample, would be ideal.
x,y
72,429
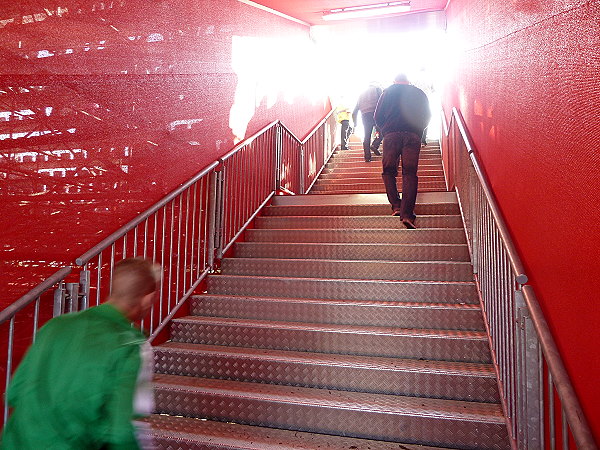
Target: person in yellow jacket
x,y
343,117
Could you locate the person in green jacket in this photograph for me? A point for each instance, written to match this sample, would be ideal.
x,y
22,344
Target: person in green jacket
x,y
88,374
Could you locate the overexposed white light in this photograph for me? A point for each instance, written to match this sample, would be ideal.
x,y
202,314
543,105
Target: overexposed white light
x,y
355,13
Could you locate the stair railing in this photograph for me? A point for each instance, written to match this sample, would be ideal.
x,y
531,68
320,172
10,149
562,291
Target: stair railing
x,y
187,233
539,400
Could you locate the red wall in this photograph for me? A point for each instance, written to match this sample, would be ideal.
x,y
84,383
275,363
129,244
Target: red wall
x,y
105,106
526,81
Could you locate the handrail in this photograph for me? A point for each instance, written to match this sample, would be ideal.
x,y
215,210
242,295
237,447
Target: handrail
x,y
575,416
12,309
96,249
317,127
247,141
515,261
559,378
296,138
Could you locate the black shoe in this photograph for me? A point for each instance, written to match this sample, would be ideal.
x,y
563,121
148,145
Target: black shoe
x,y
376,151
367,160
408,223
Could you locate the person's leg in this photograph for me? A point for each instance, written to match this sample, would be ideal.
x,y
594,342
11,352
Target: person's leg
x,y
377,141
424,137
368,124
344,136
391,156
411,146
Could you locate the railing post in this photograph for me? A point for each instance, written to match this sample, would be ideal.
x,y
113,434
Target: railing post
x,y
59,300
73,296
212,218
530,432
302,180
84,287
278,156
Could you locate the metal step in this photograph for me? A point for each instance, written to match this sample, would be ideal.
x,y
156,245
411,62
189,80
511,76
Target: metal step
x,y
356,210
348,269
448,423
184,433
328,175
448,316
379,252
423,163
442,345
374,178
367,190
387,221
322,288
375,185
393,236
432,379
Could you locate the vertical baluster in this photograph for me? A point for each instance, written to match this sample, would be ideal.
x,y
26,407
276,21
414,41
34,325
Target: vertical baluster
x,y
135,241
565,431
36,316
193,263
551,412
9,361
179,228
169,285
112,266
162,264
99,279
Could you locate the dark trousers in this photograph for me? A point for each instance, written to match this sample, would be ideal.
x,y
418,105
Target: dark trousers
x,y
345,134
368,124
405,145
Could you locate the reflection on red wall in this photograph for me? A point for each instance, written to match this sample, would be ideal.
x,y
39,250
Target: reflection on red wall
x,y
527,85
105,106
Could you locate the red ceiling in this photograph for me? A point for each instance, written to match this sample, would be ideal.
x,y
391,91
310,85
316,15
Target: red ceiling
x,y
310,11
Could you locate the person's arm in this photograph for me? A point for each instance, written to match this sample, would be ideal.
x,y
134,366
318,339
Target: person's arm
x,y
355,116
119,414
382,110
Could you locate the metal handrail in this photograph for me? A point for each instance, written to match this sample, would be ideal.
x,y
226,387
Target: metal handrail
x,y
12,309
573,413
105,243
247,141
515,261
579,425
316,127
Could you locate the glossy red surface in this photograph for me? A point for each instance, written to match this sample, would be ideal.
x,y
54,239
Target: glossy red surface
x,y
311,11
526,82
107,106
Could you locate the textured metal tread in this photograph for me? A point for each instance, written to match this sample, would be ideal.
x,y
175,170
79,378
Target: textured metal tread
x,y
432,379
349,269
448,345
379,252
438,185
371,416
387,221
364,235
381,403
351,312
373,178
343,175
415,291
371,190
355,210
184,433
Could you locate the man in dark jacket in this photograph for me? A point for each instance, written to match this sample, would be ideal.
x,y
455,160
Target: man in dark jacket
x,y
402,114
366,105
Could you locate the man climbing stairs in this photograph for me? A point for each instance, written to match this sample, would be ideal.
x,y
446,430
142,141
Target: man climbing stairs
x,y
333,326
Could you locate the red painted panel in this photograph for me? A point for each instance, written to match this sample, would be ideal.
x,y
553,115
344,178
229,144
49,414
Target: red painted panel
x,y
105,106
527,85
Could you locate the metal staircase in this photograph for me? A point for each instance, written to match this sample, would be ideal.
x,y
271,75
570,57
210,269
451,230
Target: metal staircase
x,y
348,173
333,326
